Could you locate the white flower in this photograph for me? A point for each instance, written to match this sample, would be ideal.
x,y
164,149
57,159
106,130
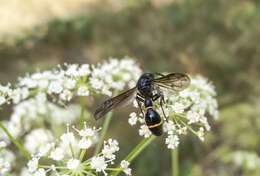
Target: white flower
x,y
113,144
70,83
85,143
40,172
108,152
40,97
86,131
96,83
106,91
144,131
73,164
44,149
182,130
61,115
193,117
28,82
98,163
169,127
133,119
37,138
178,107
57,154
141,120
66,95
110,147
84,70
124,165
172,141
32,164
4,166
126,76
55,87
16,95
67,138
83,91
135,103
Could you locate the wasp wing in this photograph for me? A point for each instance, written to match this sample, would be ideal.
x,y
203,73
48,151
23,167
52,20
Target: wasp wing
x,y
172,83
112,103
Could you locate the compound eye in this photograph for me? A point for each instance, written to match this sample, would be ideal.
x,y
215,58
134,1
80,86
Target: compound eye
x,y
151,75
148,75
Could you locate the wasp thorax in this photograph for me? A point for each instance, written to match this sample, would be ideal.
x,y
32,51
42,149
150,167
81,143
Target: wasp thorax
x,y
144,84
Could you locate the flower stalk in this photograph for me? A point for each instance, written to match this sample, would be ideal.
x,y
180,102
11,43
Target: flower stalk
x,y
82,104
175,162
108,118
18,145
135,152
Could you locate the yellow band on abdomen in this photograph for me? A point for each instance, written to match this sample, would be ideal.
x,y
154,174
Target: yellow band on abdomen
x,y
155,125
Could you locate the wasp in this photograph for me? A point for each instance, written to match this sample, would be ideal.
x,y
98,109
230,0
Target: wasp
x,y
148,89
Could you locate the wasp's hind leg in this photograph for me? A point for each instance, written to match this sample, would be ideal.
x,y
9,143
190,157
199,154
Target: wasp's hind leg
x,y
158,95
139,98
161,103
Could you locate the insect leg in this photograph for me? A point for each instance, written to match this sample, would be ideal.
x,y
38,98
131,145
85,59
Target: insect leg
x,y
161,102
139,98
155,97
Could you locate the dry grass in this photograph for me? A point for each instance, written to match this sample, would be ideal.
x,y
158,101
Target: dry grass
x,y
16,15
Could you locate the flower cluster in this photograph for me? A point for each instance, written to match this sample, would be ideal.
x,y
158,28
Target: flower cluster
x,y
115,75
34,115
36,111
184,111
74,80
68,155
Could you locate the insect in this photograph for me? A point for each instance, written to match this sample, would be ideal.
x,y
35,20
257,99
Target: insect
x,y
147,90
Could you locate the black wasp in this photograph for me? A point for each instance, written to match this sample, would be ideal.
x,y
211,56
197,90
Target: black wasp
x,y
148,89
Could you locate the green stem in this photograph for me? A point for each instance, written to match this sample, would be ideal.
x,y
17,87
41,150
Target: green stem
x,y
188,126
135,152
108,118
82,103
18,145
71,150
175,162
82,154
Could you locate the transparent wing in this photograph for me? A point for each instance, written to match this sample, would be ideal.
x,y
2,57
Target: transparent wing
x,y
114,102
172,83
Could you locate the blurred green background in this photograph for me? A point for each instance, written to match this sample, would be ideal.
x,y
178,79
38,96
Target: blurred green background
x,y
218,39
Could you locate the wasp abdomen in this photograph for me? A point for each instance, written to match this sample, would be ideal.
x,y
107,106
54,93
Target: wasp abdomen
x,y
154,122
